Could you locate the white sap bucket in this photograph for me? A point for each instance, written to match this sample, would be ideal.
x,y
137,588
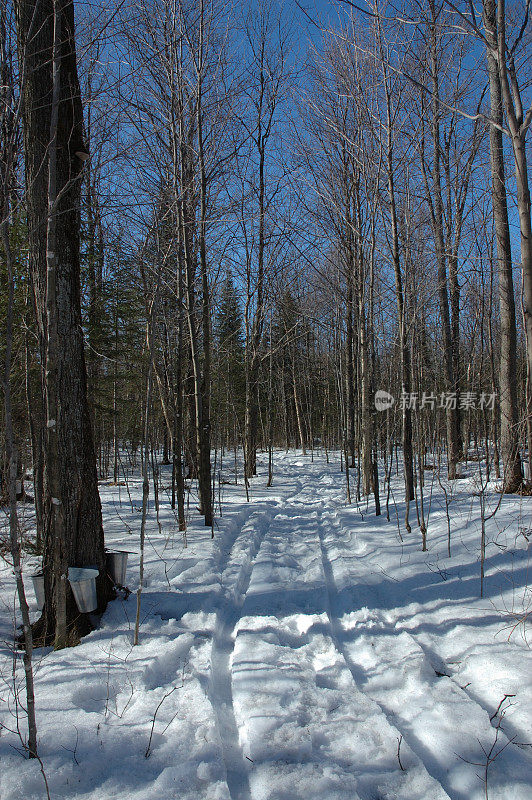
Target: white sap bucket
x,y
117,565
83,584
38,588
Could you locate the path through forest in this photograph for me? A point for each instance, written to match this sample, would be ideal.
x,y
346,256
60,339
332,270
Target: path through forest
x,y
304,653
306,692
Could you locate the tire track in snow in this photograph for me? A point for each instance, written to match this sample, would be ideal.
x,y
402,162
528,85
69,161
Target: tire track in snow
x,y
398,651
233,530
338,636
227,617
287,667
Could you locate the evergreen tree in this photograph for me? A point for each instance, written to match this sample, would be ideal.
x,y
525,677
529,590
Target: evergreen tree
x,y
229,392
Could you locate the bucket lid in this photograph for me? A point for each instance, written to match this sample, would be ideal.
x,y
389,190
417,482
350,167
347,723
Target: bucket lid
x,y
82,573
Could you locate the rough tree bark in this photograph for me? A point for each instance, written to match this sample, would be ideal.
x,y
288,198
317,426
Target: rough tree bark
x,y
519,122
53,119
513,476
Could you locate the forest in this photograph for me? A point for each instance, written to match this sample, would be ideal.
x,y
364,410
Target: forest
x,y
263,260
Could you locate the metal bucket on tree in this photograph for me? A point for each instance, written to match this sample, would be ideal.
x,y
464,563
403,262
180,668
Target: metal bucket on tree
x,y
83,584
38,588
117,565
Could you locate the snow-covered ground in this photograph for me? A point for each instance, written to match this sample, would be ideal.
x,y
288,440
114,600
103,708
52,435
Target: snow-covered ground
x,y
306,653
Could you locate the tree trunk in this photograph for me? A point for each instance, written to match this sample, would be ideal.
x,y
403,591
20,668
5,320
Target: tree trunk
x,y
403,342
204,418
513,477
519,124
452,430
350,361
72,524
177,439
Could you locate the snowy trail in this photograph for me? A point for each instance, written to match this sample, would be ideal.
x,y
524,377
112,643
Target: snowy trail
x,y
412,686
236,566
304,653
340,640
221,697
291,644
287,663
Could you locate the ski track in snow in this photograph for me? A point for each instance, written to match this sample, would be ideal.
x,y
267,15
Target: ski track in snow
x,y
220,689
339,638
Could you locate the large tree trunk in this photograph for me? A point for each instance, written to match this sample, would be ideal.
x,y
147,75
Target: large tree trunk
x,y
513,477
519,122
72,523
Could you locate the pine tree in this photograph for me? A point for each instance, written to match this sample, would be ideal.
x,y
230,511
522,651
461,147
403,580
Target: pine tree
x,y
230,391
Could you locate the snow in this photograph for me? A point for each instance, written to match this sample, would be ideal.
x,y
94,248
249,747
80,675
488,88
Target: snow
x,y
305,652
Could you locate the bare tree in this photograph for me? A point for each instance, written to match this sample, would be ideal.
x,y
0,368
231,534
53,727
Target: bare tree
x,y
513,476
266,76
